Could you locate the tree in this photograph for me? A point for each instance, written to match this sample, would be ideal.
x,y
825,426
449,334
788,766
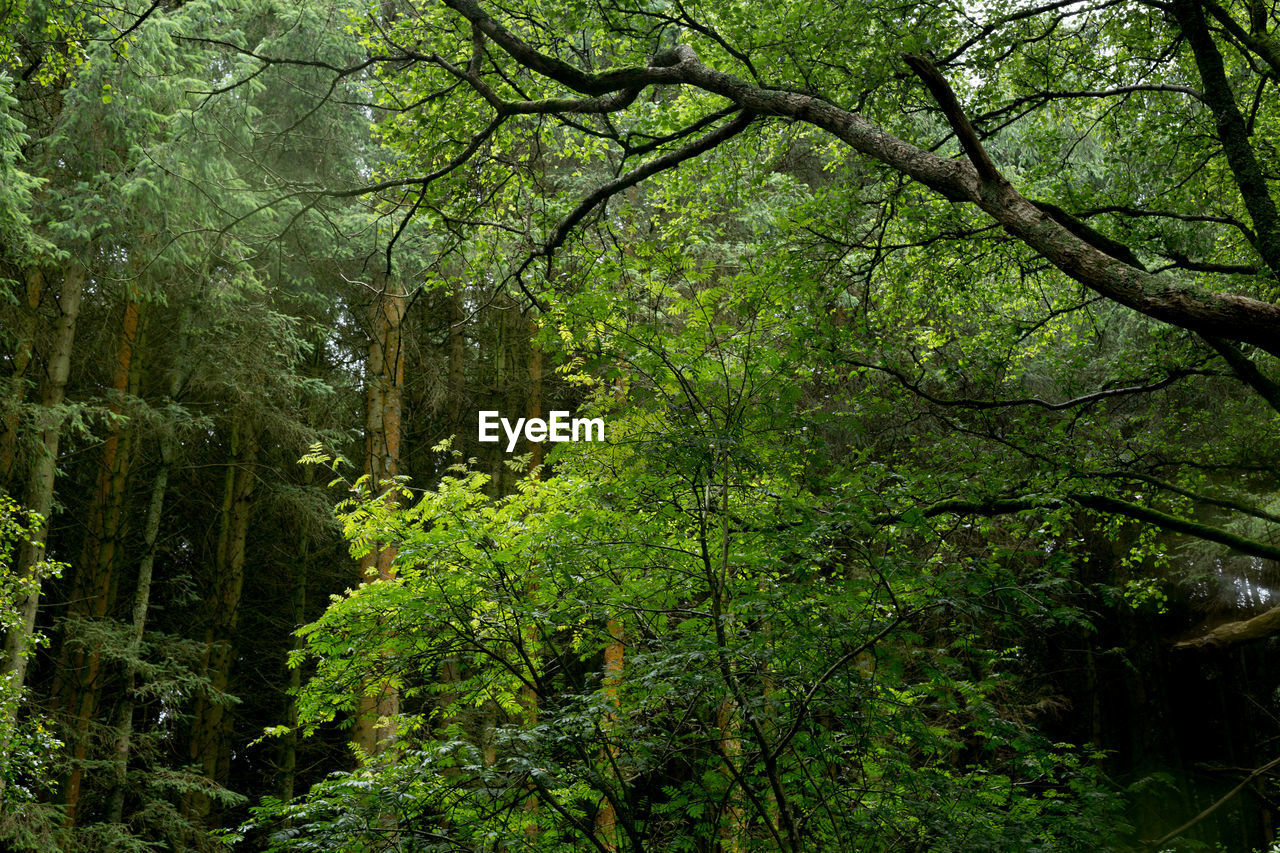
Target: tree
x,y
978,326
937,350
206,361
633,86
28,745
654,93
483,52
747,597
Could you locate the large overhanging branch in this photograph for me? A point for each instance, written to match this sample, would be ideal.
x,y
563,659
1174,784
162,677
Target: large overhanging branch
x,y
1259,41
1050,405
1101,503
1246,371
1260,627
1166,298
602,194
1264,625
1206,500
663,163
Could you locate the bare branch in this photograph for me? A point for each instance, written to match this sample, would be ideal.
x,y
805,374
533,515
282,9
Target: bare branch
x,y
1167,837
156,4
1232,131
1083,400
1138,212
1100,503
1247,371
663,69
664,163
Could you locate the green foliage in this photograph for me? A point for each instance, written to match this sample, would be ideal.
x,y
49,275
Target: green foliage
x,y
807,594
16,185
786,672
31,750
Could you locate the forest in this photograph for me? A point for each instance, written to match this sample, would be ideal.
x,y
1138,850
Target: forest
x,y
927,360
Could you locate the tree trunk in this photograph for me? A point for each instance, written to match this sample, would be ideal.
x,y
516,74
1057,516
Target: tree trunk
x,y
94,573
500,395
298,608
535,389
142,593
17,386
1260,627
457,359
298,604
385,377
607,816
732,818
137,626
39,496
210,730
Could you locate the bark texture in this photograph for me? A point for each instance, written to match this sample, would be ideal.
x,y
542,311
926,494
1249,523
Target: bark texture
x,y
1260,627
384,375
40,480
